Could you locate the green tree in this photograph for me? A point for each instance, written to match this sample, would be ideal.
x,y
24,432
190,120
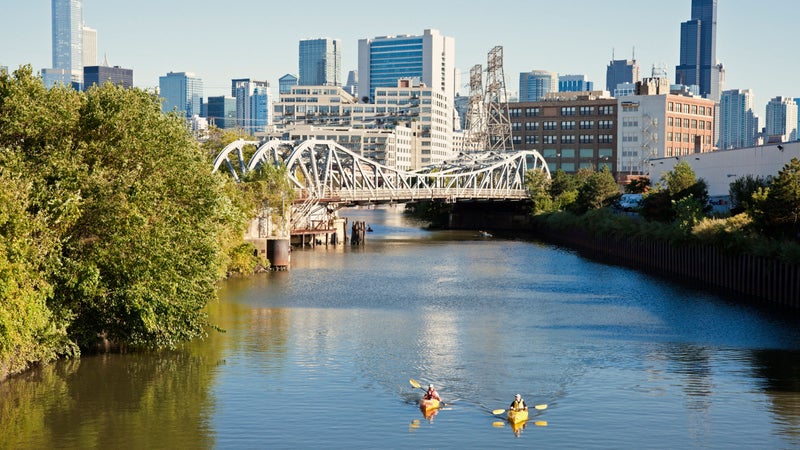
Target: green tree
x,y
777,209
638,186
679,178
599,190
537,184
742,189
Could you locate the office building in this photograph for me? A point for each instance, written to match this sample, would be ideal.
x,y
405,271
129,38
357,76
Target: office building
x,y
658,123
286,82
221,111
182,92
320,62
252,104
574,83
535,84
621,71
89,47
781,120
738,122
352,83
571,132
698,57
67,26
382,61
98,75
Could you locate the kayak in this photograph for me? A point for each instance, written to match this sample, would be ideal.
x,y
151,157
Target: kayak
x,y
517,416
428,404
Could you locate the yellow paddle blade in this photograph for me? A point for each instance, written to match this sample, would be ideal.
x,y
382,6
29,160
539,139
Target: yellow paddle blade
x,y
540,423
414,383
498,411
540,407
498,424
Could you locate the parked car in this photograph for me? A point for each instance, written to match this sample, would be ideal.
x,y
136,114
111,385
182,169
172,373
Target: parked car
x,y
629,202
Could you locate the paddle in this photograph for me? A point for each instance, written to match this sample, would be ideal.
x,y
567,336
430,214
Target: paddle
x,y
501,411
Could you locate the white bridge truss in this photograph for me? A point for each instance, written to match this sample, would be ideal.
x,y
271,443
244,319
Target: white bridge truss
x,y
326,175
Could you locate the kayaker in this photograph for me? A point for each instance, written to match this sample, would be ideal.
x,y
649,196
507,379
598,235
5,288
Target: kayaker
x,y
518,404
431,393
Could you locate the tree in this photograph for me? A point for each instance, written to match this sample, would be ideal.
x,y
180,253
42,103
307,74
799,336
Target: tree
x,y
638,186
777,209
679,178
599,190
537,184
742,189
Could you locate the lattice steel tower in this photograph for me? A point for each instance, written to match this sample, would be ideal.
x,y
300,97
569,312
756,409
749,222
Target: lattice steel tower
x,y
498,122
476,137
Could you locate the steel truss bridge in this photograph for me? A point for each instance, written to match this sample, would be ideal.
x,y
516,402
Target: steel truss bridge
x,y
326,176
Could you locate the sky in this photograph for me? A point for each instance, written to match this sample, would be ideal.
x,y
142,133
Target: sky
x,y
219,41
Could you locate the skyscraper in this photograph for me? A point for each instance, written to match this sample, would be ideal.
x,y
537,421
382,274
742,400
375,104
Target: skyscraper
x,y
100,74
68,37
89,47
574,83
621,71
320,62
181,91
222,111
738,123
698,56
430,58
535,84
286,82
252,103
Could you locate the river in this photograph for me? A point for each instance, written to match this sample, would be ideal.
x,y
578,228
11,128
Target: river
x,y
321,356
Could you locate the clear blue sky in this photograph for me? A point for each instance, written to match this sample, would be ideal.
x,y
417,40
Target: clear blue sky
x,y
253,38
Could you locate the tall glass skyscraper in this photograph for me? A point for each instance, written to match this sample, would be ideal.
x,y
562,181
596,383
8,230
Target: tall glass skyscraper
x,y
781,120
68,37
181,91
698,58
320,62
621,71
535,84
430,58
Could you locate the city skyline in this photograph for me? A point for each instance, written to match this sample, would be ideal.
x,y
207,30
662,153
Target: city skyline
x,y
751,43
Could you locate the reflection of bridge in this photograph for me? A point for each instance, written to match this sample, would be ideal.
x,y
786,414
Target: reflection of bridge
x,y
327,175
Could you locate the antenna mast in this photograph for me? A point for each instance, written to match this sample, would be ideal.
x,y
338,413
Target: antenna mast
x,y
476,112
498,122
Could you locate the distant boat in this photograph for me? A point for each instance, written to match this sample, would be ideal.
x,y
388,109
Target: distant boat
x,y
369,229
484,233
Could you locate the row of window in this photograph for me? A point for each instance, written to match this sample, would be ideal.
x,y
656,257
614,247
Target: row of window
x,y
569,139
690,109
570,167
565,111
686,137
565,125
694,124
603,153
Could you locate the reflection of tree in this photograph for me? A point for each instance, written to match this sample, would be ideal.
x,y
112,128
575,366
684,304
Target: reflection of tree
x,y
779,371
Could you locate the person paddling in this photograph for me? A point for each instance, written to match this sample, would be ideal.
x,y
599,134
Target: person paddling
x,y
518,404
431,394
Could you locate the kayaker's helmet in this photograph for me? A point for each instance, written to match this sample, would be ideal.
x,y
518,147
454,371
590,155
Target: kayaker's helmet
x,y
517,396
430,386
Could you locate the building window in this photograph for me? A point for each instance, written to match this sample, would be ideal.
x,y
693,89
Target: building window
x,y
531,126
516,139
515,112
531,112
586,139
669,136
605,110
694,109
670,121
587,110
549,139
587,124
587,153
568,153
516,126
549,125
605,138
567,110
550,153
694,124
568,125
685,123
670,106
531,139
605,124
568,139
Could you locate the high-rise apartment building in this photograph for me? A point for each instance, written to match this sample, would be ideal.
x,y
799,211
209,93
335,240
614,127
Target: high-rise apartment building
x,y
97,75
320,62
252,103
698,55
621,71
181,91
67,17
430,58
781,123
534,85
738,122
